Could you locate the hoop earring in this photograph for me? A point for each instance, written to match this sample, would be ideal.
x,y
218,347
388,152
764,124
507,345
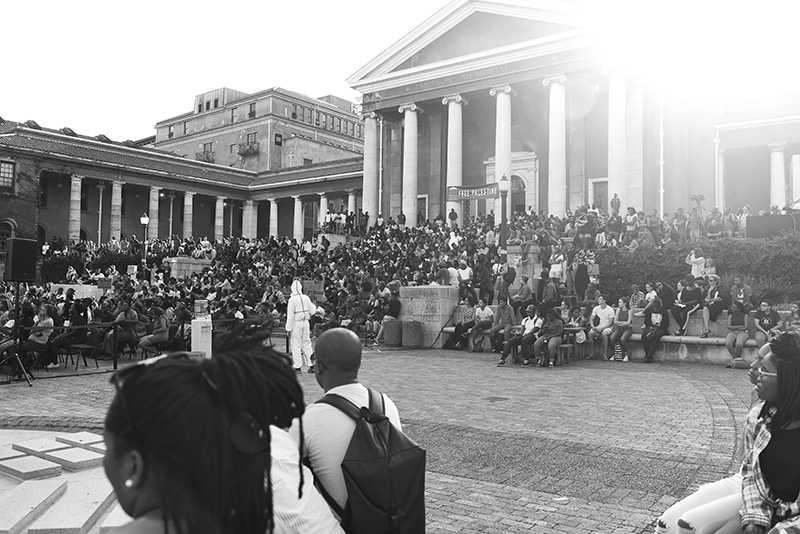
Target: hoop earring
x,y
129,483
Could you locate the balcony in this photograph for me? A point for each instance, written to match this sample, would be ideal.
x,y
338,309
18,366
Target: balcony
x,y
248,149
208,157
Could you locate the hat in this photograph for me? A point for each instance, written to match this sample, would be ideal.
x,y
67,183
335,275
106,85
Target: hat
x,y
713,277
530,308
524,277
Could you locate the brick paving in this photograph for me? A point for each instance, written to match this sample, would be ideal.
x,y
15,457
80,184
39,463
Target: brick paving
x,y
592,447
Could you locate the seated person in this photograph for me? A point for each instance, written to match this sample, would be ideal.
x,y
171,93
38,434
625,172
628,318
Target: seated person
x,y
768,322
484,317
525,337
550,336
504,321
524,296
689,300
601,321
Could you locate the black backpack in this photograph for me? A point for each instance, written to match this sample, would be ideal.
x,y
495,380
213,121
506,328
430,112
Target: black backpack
x,y
510,276
384,472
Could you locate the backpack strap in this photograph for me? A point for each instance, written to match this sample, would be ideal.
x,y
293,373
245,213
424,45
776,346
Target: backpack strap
x,y
377,404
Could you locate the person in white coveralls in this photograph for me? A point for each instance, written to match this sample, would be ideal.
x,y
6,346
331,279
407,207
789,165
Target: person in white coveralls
x,y
298,311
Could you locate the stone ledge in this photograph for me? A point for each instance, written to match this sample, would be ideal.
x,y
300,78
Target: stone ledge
x,y
29,468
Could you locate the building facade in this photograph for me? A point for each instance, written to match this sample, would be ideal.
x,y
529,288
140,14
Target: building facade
x,y
519,88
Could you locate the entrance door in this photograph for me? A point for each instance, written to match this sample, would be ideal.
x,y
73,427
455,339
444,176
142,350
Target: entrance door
x,y
422,208
601,196
517,195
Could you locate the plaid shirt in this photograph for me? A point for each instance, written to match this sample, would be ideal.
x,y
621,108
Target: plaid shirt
x,y
760,507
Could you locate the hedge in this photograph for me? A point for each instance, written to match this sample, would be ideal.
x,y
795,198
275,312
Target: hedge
x,y
770,267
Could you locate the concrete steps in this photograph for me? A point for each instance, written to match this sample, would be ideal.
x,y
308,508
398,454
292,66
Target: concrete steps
x,y
58,487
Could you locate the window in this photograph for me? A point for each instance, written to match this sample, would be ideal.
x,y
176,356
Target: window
x,y
302,114
185,127
294,111
233,115
307,161
216,103
233,148
310,116
208,105
6,231
252,112
7,175
252,138
42,193
324,121
171,133
208,148
338,124
285,111
358,130
316,120
352,128
200,107
278,139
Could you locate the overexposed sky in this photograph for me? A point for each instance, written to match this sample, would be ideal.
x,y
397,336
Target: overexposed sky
x,y
118,67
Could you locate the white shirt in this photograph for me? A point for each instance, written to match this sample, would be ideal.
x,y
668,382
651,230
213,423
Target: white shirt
x,y
327,433
483,314
465,274
529,324
606,316
309,515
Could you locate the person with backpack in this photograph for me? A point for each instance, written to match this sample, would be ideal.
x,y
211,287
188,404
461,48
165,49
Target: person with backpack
x,y
338,433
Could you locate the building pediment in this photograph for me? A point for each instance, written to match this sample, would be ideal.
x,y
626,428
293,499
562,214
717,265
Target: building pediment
x,y
469,34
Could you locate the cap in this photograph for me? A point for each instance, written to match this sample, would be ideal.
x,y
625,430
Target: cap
x,y
530,307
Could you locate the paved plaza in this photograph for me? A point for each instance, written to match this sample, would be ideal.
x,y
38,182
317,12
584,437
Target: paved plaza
x,y
592,447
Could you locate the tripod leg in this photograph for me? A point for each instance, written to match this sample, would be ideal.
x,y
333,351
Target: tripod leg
x,y
24,371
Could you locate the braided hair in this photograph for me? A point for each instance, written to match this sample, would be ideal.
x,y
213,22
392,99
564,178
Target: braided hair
x,y
786,349
203,430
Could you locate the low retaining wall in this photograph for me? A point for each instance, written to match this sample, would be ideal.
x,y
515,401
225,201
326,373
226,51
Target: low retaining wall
x,y
432,306
181,266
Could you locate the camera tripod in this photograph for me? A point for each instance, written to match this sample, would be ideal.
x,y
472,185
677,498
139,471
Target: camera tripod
x,y
14,350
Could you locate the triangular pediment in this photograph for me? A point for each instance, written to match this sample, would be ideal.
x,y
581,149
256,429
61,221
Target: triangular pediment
x,y
481,32
466,29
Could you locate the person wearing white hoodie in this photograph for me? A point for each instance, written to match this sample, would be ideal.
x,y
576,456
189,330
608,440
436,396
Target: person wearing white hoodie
x,y
298,312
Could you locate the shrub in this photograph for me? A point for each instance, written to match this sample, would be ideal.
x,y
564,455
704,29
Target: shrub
x,y
769,266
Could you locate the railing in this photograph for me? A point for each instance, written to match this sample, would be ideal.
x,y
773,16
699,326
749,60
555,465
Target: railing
x,y
208,157
248,149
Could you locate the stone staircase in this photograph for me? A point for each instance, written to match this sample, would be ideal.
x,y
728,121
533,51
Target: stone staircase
x,y
56,485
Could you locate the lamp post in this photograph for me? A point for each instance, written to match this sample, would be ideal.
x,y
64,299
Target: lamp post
x,y
145,220
504,185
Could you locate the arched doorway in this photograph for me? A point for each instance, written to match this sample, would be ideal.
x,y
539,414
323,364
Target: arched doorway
x,y
517,194
41,235
84,235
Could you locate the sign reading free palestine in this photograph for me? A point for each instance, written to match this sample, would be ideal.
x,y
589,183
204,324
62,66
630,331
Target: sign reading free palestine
x,y
455,194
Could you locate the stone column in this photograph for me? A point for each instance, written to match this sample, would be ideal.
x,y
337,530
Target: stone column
x,y
617,139
219,219
74,228
323,208
795,181
557,153
248,216
297,227
410,152
152,232
100,188
502,143
116,210
273,217
720,197
351,200
188,212
371,166
455,150
777,174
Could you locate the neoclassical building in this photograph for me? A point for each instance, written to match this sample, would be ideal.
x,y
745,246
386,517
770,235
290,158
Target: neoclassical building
x,y
486,88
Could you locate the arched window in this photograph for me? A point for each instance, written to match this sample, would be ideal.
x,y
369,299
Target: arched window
x,y
6,231
41,234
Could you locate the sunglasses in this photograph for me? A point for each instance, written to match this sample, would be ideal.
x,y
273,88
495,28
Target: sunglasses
x,y
762,373
246,433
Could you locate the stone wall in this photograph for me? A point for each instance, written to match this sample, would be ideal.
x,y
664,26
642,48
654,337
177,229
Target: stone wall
x,y
185,266
432,306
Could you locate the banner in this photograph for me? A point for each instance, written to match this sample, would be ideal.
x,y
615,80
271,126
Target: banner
x,y
455,194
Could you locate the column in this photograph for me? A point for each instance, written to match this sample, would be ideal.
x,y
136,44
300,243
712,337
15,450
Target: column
x,y
351,200
795,181
323,208
74,228
171,197
557,152
116,210
152,232
188,212
219,219
273,217
248,219
100,188
617,139
410,149
455,150
502,143
297,227
371,166
720,185
777,174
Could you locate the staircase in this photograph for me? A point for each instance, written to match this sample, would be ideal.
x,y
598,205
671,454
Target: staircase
x,y
56,485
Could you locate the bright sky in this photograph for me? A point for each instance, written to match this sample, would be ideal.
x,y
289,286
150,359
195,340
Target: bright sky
x,y
117,68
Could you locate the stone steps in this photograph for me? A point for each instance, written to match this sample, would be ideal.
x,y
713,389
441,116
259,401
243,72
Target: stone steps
x,y
61,487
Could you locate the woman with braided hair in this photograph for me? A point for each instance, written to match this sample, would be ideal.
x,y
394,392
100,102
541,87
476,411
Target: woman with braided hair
x,y
198,446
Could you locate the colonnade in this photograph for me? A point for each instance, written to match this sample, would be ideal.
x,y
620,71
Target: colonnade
x,y
249,212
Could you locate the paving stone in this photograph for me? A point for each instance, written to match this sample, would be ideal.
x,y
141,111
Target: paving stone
x,y
7,453
115,519
80,439
27,501
78,510
37,447
75,459
29,467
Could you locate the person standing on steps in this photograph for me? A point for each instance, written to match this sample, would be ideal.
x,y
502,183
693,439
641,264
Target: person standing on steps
x,y
299,310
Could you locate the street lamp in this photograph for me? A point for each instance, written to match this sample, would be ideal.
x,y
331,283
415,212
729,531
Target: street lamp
x,y
504,185
145,220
